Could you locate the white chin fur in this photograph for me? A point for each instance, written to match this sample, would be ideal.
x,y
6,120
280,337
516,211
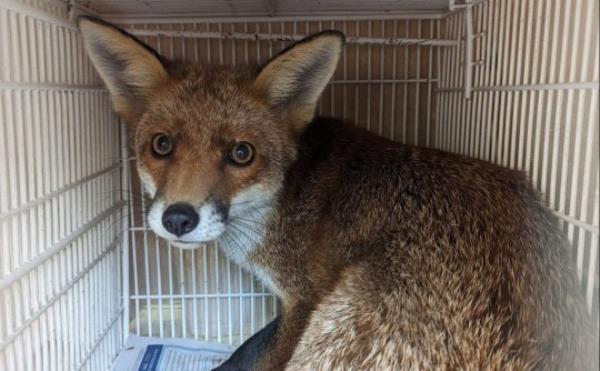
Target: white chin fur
x,y
248,214
186,245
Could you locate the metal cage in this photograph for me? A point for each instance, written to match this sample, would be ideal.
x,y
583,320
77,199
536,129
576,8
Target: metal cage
x,y
513,82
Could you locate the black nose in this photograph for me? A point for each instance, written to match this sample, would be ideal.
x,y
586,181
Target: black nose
x,y
180,219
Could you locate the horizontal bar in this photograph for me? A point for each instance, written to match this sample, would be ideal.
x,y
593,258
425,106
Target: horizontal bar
x,y
390,81
468,4
475,36
536,87
287,37
202,296
58,192
581,224
56,248
171,18
28,10
139,229
10,338
99,339
8,85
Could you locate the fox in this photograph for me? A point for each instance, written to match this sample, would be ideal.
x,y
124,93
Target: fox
x,y
384,256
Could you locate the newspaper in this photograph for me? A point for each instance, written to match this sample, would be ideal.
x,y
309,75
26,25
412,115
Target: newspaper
x,y
175,354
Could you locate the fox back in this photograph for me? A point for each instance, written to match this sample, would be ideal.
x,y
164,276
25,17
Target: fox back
x,y
384,256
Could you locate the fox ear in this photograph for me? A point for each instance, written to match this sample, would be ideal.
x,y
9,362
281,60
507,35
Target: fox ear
x,y
130,69
294,79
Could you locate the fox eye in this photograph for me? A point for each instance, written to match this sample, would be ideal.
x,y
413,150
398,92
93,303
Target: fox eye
x,y
162,145
241,153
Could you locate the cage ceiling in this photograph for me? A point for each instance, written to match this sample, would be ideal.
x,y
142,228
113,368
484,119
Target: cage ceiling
x,y
262,8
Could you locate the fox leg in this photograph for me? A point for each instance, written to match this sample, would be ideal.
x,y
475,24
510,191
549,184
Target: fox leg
x,y
246,355
280,349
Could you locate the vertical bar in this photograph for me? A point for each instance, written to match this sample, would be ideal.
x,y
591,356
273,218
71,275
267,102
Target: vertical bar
x,y
241,291
509,80
356,75
567,142
540,68
170,273
125,175
394,67
369,76
526,94
161,325
229,309
418,85
442,75
182,293
257,45
552,128
456,99
205,277
585,29
561,68
381,77
5,71
218,292
429,88
477,96
518,96
502,81
252,305
593,262
136,285
405,96
485,96
331,86
468,56
345,71
194,295
497,97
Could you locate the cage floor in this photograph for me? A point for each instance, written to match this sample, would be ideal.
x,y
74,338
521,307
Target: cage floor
x,y
173,354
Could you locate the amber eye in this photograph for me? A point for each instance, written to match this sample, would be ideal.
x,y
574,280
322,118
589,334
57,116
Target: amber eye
x,y
162,145
241,153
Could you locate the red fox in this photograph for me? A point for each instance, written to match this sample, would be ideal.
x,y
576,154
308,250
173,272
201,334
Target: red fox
x,y
384,256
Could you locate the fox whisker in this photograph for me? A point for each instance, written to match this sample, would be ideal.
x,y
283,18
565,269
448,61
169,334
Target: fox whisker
x,y
239,246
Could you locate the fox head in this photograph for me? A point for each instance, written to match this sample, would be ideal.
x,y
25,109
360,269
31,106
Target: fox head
x,y
212,143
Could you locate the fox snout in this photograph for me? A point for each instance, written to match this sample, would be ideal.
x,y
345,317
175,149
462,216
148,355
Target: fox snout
x,y
180,218
186,225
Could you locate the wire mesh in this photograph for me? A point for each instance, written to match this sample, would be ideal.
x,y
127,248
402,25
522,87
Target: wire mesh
x,y
534,108
60,303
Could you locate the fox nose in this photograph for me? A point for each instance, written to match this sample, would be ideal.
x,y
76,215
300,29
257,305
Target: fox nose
x,y
180,219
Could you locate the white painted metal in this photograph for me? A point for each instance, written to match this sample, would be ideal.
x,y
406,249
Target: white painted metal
x,y
262,8
535,100
201,18
79,268
60,283
287,38
468,55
